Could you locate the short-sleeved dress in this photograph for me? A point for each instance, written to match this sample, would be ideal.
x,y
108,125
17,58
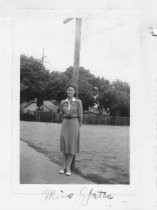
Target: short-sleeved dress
x,y
72,113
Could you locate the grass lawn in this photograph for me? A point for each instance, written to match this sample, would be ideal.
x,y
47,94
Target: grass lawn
x,y
104,150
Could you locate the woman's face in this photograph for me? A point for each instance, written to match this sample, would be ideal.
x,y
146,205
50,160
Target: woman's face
x,y
70,92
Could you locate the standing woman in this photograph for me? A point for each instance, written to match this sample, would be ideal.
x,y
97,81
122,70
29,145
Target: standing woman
x,y
72,112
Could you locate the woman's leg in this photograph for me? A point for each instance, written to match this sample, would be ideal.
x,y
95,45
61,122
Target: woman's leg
x,y
64,160
69,161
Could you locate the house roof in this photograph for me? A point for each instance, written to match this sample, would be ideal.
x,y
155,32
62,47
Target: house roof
x,y
25,104
48,104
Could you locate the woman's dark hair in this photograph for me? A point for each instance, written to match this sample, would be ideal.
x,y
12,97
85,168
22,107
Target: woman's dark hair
x,y
71,85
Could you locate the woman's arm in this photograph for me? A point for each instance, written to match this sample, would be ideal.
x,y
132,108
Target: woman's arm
x,y
80,112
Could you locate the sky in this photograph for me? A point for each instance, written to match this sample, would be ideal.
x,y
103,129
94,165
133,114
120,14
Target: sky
x,y
110,41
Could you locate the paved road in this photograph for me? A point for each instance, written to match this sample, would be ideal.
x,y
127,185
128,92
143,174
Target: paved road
x,y
35,168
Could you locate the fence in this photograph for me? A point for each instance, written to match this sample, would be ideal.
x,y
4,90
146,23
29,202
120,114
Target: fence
x,y
87,119
27,117
106,120
41,117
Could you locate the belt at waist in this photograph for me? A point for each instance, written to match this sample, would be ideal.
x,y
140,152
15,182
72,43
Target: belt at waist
x,y
69,117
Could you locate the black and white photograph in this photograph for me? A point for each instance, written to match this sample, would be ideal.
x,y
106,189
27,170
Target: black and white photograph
x,y
75,97
78,108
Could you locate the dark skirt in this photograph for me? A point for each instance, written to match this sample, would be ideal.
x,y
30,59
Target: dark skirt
x,y
70,136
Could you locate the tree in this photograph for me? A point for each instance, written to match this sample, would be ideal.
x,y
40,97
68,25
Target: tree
x,y
103,86
56,86
42,85
85,88
120,98
114,97
34,75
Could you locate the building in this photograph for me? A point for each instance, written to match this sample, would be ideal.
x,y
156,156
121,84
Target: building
x,y
31,107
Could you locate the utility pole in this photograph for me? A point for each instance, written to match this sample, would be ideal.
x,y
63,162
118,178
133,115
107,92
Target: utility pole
x,y
77,53
42,58
76,58
76,50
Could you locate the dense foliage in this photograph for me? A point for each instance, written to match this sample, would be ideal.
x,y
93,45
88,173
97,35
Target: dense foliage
x,y
114,97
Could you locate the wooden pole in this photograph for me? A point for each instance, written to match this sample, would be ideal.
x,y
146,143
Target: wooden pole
x,y
77,53
76,59
42,59
76,62
67,20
